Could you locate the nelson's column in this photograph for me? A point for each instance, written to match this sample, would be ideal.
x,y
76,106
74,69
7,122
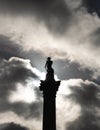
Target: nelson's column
x,y
49,87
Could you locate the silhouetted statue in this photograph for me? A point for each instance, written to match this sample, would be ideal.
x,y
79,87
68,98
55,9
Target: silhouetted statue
x,y
49,69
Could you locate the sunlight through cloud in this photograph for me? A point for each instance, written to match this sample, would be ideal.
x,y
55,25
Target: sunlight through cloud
x,y
23,93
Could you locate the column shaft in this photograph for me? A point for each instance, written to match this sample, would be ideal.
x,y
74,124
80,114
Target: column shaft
x,y
49,114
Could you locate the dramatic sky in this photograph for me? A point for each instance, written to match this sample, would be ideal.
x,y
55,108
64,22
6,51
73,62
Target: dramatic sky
x,y
69,32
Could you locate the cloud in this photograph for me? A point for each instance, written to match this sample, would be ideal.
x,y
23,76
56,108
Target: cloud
x,y
55,13
80,49
84,122
72,70
76,44
78,103
82,97
26,110
67,70
12,126
8,48
15,70
92,6
86,94
19,71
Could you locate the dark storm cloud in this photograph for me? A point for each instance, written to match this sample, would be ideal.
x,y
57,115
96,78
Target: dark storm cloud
x,y
12,126
28,111
92,6
86,121
87,96
8,48
95,37
54,13
12,72
71,70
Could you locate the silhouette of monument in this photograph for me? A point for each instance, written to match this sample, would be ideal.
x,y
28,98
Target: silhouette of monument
x,y
49,87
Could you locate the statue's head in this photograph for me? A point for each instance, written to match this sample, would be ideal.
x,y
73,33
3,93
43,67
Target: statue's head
x,y
49,58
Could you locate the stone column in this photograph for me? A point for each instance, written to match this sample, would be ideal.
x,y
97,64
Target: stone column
x,y
49,89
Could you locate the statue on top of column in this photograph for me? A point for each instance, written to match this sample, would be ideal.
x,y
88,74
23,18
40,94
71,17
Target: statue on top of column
x,y
49,69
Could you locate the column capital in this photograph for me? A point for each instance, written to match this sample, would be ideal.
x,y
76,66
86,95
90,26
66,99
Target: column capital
x,y
49,88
